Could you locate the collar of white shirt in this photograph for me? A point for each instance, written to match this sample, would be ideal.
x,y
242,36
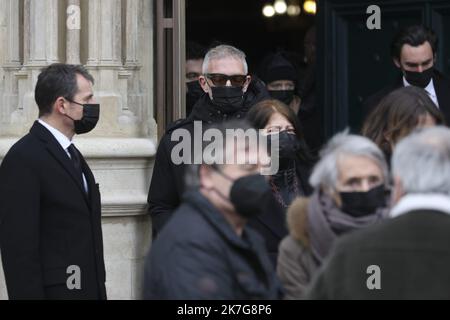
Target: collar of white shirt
x,y
65,143
429,88
59,136
412,202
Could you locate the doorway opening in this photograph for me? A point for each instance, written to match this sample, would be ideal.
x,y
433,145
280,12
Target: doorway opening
x,y
244,25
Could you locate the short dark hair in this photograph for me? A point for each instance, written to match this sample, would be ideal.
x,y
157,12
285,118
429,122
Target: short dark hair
x,y
195,51
414,36
57,80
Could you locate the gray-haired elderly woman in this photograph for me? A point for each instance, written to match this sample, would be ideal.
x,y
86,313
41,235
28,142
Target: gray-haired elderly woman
x,y
350,182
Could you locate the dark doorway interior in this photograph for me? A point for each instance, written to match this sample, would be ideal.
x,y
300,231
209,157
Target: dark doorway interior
x,y
241,23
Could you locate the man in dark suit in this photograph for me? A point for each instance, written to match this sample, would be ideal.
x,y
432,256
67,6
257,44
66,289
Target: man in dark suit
x,y
50,214
408,256
413,51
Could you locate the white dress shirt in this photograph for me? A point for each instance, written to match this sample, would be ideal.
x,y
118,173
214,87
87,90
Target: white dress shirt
x,y
65,144
429,89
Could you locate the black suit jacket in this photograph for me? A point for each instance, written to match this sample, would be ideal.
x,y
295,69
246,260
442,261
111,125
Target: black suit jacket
x,y
48,222
412,252
441,86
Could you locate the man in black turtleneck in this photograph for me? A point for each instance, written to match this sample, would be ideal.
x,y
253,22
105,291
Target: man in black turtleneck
x,y
230,93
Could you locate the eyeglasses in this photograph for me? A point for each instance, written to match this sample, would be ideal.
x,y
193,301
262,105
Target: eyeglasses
x,y
278,129
220,80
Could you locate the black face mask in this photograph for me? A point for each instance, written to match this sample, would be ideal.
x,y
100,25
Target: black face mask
x,y
194,92
248,194
91,114
285,96
358,204
288,145
419,79
227,99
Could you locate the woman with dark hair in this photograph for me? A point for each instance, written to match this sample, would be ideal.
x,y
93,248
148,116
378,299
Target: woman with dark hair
x,y
295,164
398,114
295,161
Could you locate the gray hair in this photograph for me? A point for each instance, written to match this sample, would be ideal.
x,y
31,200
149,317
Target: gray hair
x,y
325,174
224,51
422,161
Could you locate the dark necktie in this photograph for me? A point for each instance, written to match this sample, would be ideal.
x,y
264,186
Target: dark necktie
x,y
76,163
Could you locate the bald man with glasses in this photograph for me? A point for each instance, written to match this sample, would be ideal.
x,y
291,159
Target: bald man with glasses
x,y
230,93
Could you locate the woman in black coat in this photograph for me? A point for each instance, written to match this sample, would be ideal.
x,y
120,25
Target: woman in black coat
x,y
295,163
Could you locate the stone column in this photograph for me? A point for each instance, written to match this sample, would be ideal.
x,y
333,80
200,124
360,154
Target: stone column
x,y
73,25
119,150
10,16
105,61
42,34
41,48
132,33
133,63
105,33
9,11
